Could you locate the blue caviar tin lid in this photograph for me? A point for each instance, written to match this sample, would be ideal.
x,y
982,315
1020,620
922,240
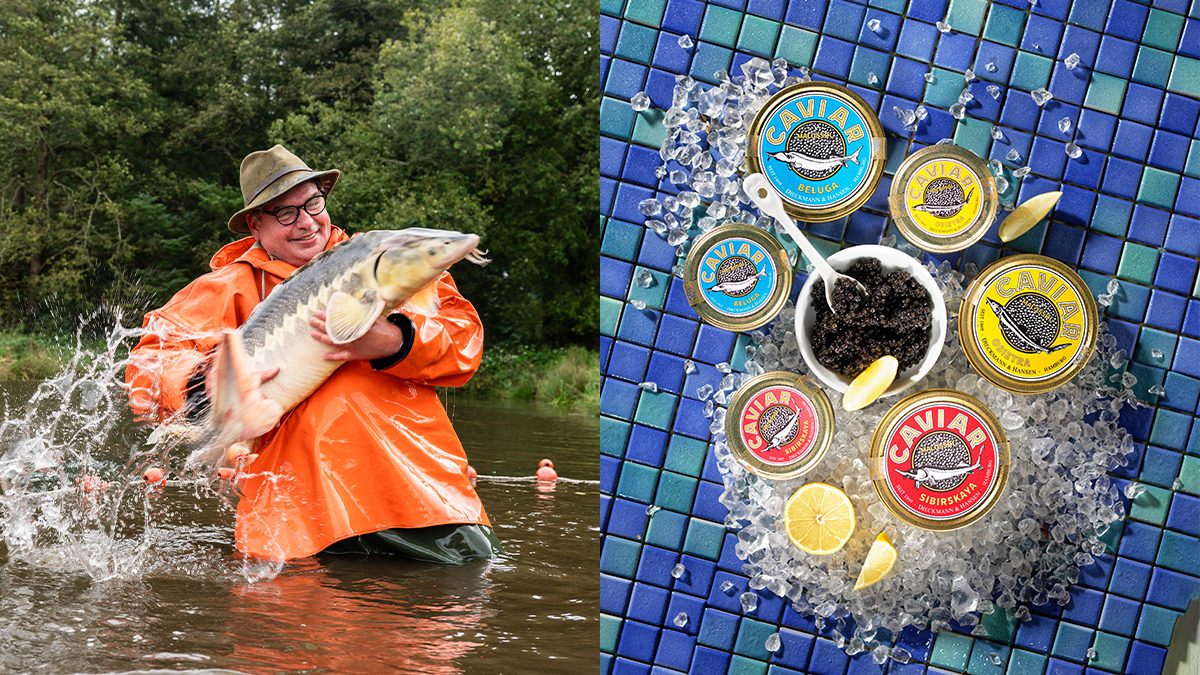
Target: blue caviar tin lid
x,y
821,147
737,276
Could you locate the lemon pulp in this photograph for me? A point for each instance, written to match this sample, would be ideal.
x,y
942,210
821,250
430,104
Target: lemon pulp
x,y
819,519
880,560
871,383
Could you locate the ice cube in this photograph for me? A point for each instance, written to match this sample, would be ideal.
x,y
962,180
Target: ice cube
x,y
1041,96
1012,155
993,91
943,27
772,643
640,101
1072,61
638,304
874,25
749,601
991,67
958,110
997,135
907,117
1073,150
689,367
929,77
684,41
1064,125
651,387
680,620
645,278
678,570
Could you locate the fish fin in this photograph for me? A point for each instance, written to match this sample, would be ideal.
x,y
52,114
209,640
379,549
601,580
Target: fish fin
x,y
425,301
853,158
348,318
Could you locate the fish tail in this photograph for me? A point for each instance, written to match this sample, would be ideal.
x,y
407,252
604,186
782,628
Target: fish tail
x,y
239,409
852,158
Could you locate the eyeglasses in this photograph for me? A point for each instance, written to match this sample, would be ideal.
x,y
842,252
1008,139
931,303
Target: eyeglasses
x,y
286,215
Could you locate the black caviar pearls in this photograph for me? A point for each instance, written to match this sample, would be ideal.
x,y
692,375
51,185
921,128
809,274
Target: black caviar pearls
x,y
892,318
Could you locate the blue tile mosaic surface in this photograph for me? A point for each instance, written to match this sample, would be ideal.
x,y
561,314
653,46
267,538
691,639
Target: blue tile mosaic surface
x,y
1129,211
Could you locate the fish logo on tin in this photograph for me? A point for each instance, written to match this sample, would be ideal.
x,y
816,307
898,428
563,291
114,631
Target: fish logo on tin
x,y
736,276
778,425
943,197
815,146
1030,323
942,462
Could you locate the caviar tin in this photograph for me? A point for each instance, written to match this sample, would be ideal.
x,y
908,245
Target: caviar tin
x,y
779,426
737,277
943,198
939,460
1028,323
821,147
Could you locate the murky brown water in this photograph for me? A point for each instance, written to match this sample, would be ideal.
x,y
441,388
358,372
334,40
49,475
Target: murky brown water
x,y
189,605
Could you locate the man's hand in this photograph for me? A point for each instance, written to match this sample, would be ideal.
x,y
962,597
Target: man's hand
x,y
381,340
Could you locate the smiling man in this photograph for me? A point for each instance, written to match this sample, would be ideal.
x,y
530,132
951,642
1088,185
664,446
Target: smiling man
x,y
369,463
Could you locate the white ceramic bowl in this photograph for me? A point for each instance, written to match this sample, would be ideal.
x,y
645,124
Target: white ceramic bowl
x,y
891,259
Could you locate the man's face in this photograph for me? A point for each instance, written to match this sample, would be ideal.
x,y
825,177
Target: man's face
x,y
295,243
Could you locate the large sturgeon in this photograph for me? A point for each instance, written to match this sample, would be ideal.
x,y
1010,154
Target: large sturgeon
x,y
354,283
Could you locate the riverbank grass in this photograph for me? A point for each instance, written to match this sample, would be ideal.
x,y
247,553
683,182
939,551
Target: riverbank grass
x,y
567,377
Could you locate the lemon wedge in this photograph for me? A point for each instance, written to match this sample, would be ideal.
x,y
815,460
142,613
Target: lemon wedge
x,y
879,562
871,383
1028,214
819,519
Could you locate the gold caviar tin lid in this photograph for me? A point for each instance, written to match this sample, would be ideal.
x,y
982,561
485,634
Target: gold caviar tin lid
x,y
821,147
737,277
943,198
939,460
1028,323
778,425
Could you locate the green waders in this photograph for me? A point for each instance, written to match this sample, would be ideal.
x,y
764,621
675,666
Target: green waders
x,y
442,544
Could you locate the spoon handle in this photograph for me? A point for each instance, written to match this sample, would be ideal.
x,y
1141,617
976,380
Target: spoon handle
x,y
764,196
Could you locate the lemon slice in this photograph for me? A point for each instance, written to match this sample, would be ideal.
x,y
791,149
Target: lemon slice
x,y
871,383
819,519
879,562
1028,214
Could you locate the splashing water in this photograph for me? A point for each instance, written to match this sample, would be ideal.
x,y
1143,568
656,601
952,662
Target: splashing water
x,y
72,496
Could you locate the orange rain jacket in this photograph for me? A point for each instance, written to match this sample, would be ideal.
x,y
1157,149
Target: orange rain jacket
x,y
367,451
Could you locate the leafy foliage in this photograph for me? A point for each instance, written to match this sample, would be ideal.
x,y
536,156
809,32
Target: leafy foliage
x,y
126,120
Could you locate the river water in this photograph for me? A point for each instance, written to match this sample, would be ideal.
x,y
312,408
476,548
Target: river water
x,y
188,602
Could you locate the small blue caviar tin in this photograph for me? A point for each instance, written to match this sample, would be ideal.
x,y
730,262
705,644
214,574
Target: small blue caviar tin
x,y
737,277
821,147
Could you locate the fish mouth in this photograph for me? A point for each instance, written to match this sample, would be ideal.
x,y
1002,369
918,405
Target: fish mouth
x,y
468,249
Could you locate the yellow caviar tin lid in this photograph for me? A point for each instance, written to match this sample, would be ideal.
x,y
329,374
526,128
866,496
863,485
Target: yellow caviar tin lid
x,y
939,460
821,147
1028,323
737,277
778,425
943,198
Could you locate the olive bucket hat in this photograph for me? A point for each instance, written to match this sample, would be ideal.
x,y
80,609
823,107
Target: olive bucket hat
x,y
266,174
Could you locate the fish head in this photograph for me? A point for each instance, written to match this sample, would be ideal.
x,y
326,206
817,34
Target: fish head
x,y
411,259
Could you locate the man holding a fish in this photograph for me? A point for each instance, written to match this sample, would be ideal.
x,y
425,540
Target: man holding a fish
x,y
331,386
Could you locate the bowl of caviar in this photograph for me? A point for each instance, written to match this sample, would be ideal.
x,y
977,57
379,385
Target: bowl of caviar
x,y
897,311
